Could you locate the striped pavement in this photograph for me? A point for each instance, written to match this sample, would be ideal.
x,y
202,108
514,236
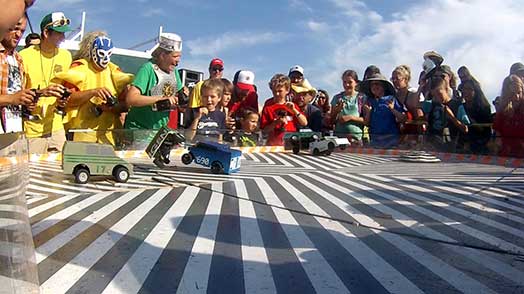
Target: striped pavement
x,y
286,223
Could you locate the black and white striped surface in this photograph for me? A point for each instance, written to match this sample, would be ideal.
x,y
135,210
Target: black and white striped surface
x,y
286,224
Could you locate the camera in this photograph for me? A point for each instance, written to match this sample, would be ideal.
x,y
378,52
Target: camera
x,y
281,113
162,105
60,109
183,99
110,102
26,113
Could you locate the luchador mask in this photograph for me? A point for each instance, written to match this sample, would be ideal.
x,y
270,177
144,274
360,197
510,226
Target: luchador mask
x,y
101,51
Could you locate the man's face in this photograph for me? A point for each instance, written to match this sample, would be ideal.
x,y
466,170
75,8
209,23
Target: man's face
x,y
302,99
216,71
296,77
169,60
13,11
53,37
14,34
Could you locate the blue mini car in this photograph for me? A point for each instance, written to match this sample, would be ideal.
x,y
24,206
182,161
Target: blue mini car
x,y
220,157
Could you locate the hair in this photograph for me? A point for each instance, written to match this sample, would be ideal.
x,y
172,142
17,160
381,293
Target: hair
x,y
280,80
404,71
350,73
85,45
372,69
214,85
249,111
30,37
508,92
464,69
479,99
437,83
228,86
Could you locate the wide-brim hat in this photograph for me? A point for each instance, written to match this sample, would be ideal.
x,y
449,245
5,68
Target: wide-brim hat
x,y
55,21
433,55
304,87
365,85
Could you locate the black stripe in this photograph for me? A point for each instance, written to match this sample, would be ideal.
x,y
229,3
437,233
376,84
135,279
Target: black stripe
x,y
354,276
62,256
167,273
417,273
59,207
63,225
48,198
105,269
227,273
288,274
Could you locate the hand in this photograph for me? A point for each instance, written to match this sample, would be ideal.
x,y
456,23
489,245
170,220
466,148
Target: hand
x,y
290,105
24,97
391,103
366,108
202,111
53,90
173,100
185,90
103,93
230,123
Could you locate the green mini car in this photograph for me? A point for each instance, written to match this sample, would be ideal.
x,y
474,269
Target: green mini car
x,y
83,160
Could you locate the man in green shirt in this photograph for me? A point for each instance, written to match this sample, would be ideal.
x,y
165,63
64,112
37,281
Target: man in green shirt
x,y
156,80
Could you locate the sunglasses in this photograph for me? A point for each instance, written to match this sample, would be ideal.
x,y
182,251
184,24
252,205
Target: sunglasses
x,y
58,23
217,69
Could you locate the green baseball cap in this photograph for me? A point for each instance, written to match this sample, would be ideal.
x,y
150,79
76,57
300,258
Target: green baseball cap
x,y
55,21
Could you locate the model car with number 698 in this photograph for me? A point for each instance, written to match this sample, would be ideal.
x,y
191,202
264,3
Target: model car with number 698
x,y
219,157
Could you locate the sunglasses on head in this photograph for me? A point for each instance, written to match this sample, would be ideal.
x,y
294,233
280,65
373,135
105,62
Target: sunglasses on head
x,y
217,69
59,23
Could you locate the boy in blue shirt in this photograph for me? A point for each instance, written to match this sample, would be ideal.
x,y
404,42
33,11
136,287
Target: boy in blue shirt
x,y
209,123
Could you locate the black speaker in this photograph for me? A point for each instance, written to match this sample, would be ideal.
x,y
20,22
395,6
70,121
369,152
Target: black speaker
x,y
189,79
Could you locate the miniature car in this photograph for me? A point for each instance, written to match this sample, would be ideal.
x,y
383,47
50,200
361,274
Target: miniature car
x,y
321,146
300,140
219,157
86,159
342,143
160,147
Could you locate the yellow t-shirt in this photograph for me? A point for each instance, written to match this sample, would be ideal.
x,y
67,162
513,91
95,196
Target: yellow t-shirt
x,y
41,69
85,77
194,96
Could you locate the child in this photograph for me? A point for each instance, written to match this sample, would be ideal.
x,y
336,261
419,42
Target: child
x,y
247,136
209,122
447,118
278,115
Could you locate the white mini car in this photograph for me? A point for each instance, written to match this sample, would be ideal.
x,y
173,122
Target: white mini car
x,y
341,143
321,146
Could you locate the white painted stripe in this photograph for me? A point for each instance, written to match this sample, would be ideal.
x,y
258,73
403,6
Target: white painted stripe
x,y
385,274
473,232
251,157
257,271
196,272
65,213
342,163
476,255
48,190
66,188
41,208
297,159
279,157
70,233
453,276
321,163
265,158
34,197
133,274
66,277
322,276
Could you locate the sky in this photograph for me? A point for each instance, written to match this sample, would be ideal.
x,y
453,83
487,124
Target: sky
x,y
325,37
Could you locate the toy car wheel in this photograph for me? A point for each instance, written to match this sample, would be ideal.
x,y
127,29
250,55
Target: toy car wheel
x,y
328,152
316,152
81,175
159,162
121,174
296,149
294,138
187,158
216,167
331,147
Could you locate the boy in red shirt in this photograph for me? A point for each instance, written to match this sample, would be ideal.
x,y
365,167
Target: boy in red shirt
x,y
279,115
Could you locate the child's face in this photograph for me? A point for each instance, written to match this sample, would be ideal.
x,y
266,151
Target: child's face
x,y
210,99
280,92
250,123
377,89
226,97
440,94
349,84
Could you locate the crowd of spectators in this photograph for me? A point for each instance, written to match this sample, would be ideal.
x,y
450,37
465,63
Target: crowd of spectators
x,y
53,96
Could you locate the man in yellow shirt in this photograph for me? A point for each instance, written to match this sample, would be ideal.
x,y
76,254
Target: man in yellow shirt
x,y
216,70
42,62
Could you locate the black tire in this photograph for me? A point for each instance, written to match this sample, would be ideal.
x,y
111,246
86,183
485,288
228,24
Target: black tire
x,y
187,158
216,167
296,149
121,174
159,162
316,152
82,175
328,152
331,147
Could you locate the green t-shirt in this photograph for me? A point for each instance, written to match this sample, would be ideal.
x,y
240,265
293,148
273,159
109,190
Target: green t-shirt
x,y
144,117
351,107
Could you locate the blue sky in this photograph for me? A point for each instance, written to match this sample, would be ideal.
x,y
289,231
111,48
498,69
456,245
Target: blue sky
x,y
325,37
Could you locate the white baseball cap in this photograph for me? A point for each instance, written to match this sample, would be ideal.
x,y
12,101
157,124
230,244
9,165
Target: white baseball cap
x,y
296,68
